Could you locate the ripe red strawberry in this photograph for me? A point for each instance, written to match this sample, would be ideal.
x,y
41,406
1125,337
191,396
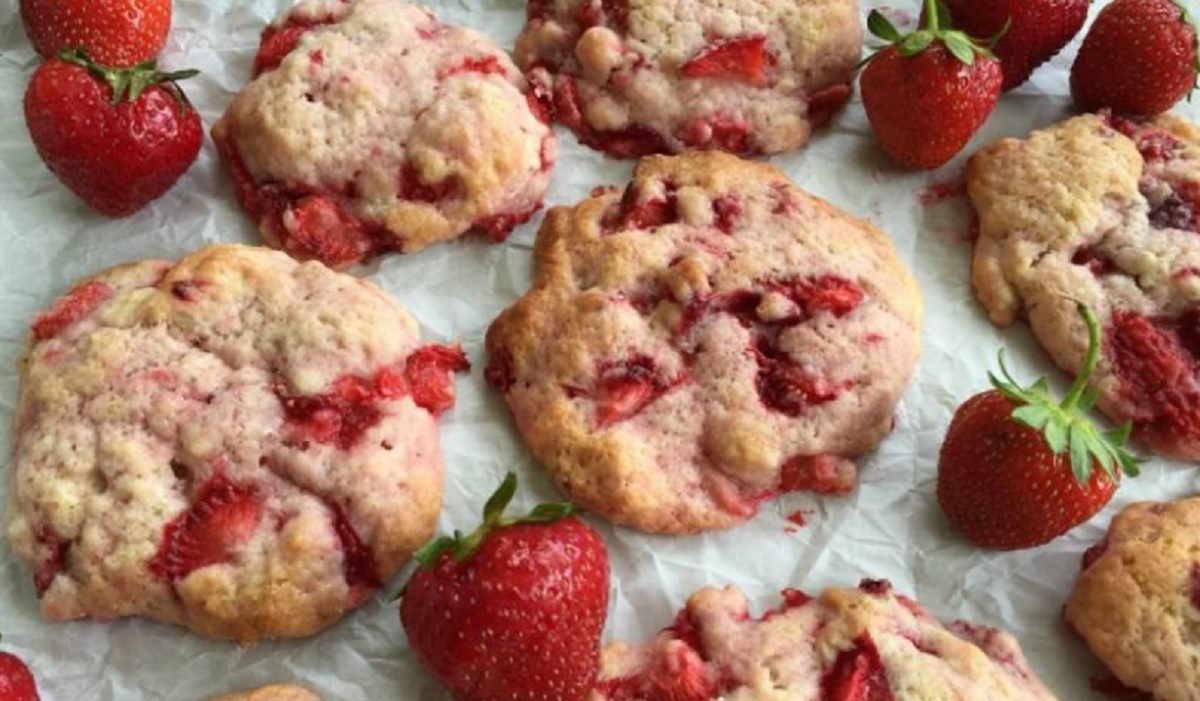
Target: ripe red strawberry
x,y
1139,57
114,32
927,92
742,59
514,610
1033,30
16,681
117,138
1017,469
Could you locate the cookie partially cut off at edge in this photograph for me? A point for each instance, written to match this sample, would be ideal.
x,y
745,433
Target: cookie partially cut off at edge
x,y
373,127
274,692
236,443
1103,211
864,643
635,77
703,340
1137,601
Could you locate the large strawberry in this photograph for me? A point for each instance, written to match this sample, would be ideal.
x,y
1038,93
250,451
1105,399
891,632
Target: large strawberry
x,y
16,681
1030,32
114,32
928,91
1139,57
1018,469
117,138
514,610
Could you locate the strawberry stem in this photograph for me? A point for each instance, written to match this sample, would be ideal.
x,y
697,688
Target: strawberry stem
x,y
1089,360
129,83
1063,425
461,547
931,15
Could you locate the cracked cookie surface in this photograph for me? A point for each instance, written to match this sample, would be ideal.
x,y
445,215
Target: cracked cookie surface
x,y
373,127
1103,211
635,77
864,643
703,340
236,443
1137,601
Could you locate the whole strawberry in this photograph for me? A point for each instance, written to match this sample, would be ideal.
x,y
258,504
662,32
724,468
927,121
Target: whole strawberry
x,y
1030,32
16,681
1139,57
514,610
114,32
1018,469
117,138
927,92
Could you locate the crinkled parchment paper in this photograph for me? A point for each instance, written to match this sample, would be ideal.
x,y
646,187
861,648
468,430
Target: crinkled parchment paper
x,y
890,527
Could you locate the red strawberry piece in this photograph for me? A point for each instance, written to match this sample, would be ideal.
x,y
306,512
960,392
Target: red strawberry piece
x,y
498,227
54,562
786,387
117,138
1017,468
1159,360
1139,57
858,674
76,304
430,374
115,32
928,91
16,681
223,516
743,59
623,388
339,416
1030,32
358,561
727,209
645,214
514,610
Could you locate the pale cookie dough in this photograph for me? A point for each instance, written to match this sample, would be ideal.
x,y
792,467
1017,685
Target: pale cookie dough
x,y
1103,211
634,77
236,443
382,129
706,338
274,692
1137,601
864,643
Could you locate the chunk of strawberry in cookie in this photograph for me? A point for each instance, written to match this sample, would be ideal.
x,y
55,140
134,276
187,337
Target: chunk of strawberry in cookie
x,y
278,41
1158,374
430,374
55,560
743,59
623,388
788,388
76,304
858,674
358,562
223,516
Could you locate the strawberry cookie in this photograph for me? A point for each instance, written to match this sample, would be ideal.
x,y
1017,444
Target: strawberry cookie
x,y
374,127
236,443
864,643
703,340
634,77
1105,212
1137,601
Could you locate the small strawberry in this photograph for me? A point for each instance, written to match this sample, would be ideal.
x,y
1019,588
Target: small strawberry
x,y
16,681
1030,32
117,138
1018,469
114,32
928,91
514,610
1139,57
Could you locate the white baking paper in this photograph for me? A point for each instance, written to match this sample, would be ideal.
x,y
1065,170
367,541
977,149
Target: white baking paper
x,y
890,527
